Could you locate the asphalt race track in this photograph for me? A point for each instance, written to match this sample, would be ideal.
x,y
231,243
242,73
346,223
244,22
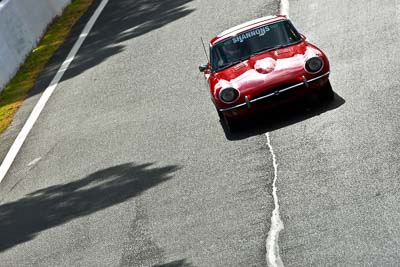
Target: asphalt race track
x,y
128,164
339,170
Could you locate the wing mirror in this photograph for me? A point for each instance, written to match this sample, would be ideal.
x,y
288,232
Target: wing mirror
x,y
303,37
203,67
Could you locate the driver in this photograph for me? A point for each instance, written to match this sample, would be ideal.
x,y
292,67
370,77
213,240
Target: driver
x,y
230,53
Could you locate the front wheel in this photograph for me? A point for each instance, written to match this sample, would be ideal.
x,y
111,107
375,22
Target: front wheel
x,y
326,93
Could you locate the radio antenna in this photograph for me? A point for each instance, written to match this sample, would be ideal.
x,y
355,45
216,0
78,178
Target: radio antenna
x,y
205,51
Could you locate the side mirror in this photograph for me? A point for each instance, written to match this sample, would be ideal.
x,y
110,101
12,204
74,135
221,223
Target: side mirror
x,y
203,67
303,36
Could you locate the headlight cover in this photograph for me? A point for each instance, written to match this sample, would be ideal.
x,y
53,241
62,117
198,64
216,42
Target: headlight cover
x,y
229,95
314,64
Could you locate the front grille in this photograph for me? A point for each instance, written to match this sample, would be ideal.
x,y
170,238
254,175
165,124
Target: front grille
x,y
277,89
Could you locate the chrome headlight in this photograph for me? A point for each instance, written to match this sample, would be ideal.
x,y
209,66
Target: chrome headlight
x,y
314,64
229,95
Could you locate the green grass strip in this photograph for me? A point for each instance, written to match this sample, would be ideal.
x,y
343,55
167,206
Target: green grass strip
x,y
13,95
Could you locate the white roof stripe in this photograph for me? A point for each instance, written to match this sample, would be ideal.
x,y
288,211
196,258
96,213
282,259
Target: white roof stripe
x,y
243,25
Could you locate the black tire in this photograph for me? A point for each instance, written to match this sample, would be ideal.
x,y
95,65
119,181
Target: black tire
x,y
230,124
326,93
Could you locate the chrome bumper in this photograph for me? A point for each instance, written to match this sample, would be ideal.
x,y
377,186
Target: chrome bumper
x,y
248,102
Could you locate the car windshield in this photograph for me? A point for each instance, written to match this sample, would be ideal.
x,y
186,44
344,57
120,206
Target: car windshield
x,y
240,47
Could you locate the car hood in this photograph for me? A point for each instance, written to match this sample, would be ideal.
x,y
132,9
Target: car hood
x,y
267,70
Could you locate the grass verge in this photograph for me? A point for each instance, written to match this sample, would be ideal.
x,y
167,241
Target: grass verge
x,y
13,95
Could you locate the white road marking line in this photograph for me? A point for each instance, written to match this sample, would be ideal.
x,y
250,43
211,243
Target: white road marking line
x,y
284,8
397,10
16,146
273,257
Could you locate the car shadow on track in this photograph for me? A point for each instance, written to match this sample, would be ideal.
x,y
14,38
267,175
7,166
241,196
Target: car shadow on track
x,y
283,117
23,219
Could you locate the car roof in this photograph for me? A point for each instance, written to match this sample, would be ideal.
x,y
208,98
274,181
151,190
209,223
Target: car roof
x,y
244,27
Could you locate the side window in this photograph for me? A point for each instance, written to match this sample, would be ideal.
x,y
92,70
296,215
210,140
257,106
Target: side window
x,y
215,58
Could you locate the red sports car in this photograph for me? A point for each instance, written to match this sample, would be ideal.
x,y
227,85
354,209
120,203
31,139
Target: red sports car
x,y
261,64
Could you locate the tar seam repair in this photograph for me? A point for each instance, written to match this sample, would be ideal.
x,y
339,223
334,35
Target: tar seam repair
x,y
273,257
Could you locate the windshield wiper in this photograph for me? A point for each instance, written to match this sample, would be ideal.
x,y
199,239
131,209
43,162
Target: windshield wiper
x,y
227,65
245,58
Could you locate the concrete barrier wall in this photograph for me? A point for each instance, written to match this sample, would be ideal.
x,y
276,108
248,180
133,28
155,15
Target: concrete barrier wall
x,y
22,24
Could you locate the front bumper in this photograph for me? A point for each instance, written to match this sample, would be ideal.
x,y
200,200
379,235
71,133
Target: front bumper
x,y
248,102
